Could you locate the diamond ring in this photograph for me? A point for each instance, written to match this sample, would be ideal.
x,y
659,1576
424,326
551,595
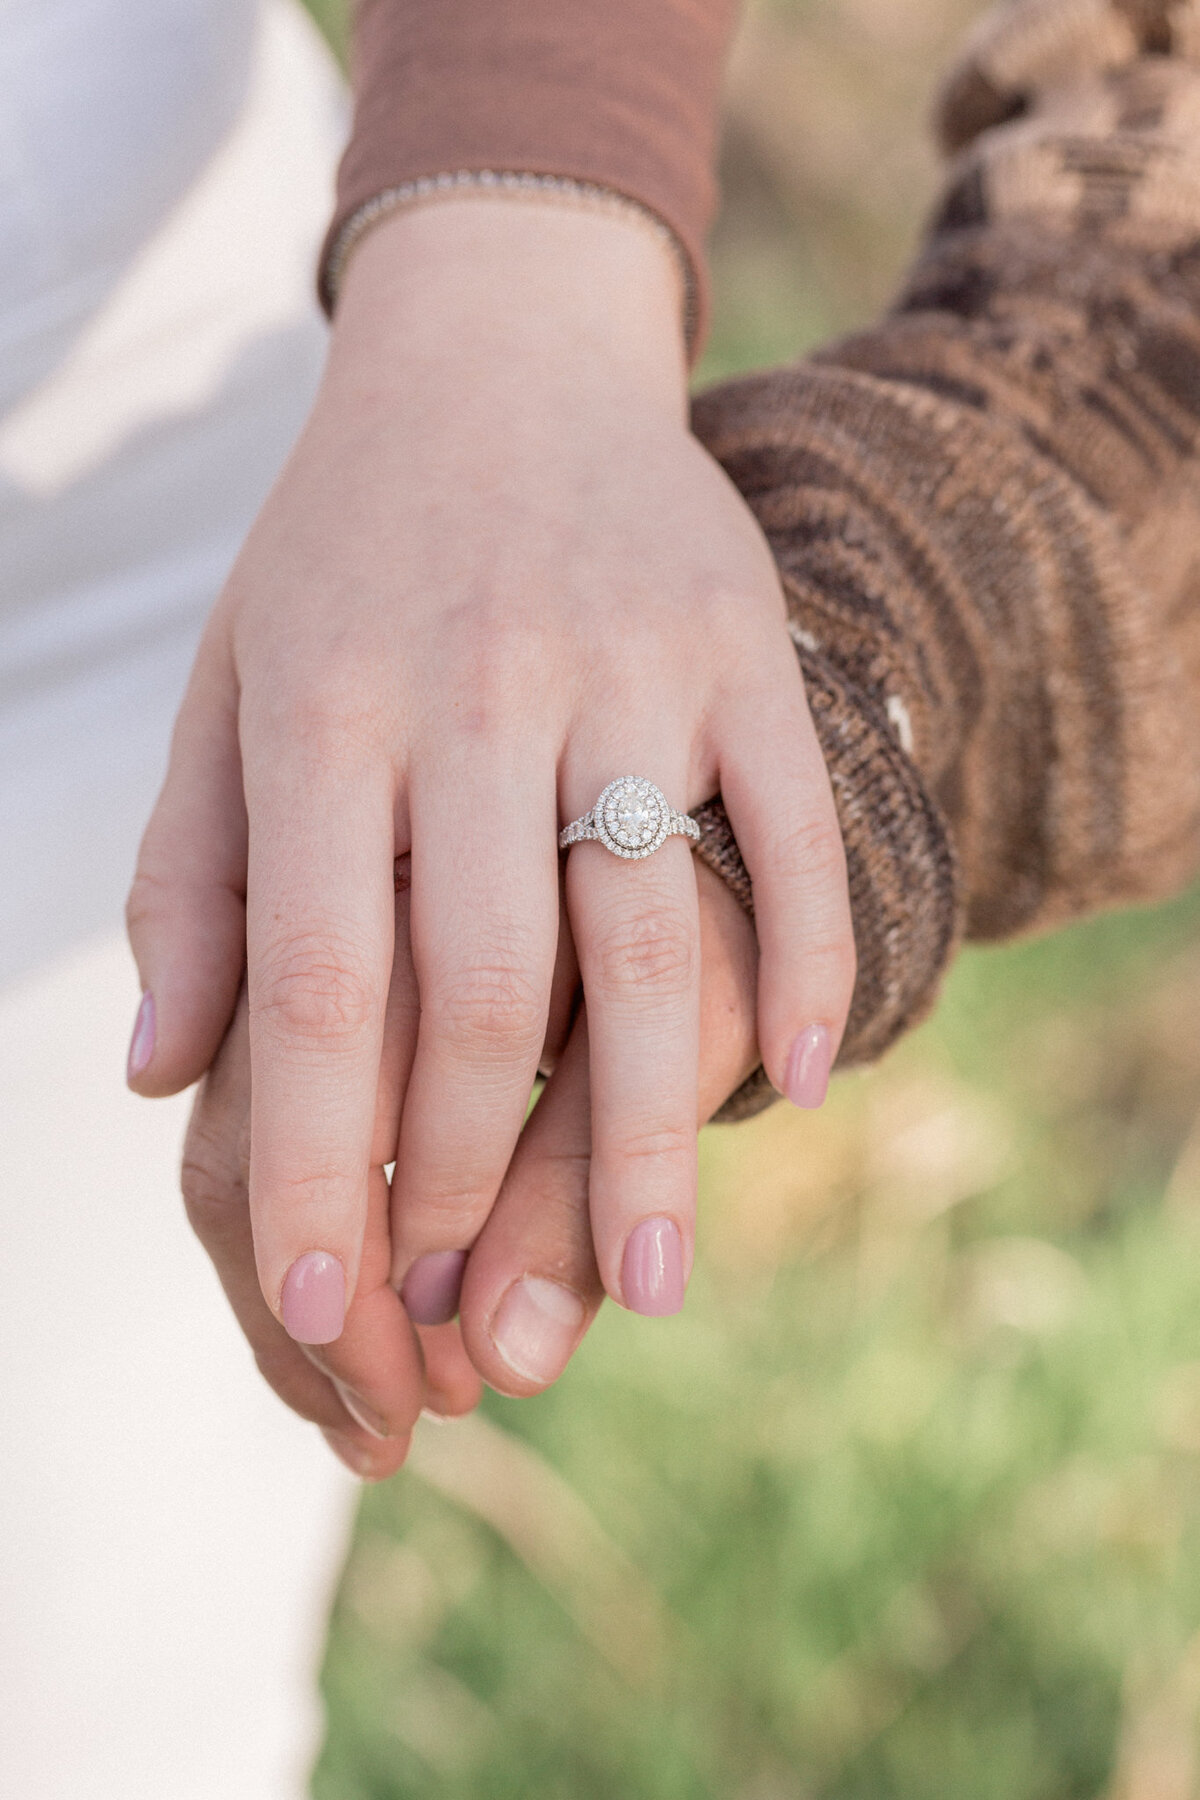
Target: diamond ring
x,y
631,818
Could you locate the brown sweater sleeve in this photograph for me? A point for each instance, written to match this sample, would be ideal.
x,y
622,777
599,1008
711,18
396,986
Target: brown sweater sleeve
x,y
986,512
622,94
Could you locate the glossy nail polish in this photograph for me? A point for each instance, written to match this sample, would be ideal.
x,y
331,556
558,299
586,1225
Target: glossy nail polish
x,y
536,1327
313,1302
652,1268
806,1078
431,1287
141,1044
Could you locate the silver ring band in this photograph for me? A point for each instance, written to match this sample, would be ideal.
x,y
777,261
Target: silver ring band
x,y
632,818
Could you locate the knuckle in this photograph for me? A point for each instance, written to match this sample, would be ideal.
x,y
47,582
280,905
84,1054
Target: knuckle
x,y
455,1205
214,1195
339,722
659,1142
831,967
650,952
315,1190
811,852
146,902
492,1010
314,991
499,658
166,899
564,1173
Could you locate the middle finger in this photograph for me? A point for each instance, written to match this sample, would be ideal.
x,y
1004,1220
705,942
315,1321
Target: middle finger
x,y
484,926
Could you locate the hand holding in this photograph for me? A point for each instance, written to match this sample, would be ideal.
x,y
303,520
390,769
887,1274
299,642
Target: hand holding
x,y
531,1286
497,572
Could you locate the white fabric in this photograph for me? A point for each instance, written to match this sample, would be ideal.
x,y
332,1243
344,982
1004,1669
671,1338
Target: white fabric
x,y
167,1530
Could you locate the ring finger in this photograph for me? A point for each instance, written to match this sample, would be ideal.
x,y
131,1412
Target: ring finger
x,y
532,1286
636,930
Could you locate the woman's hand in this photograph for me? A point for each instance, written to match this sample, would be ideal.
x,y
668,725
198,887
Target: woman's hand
x,y
366,1389
497,572
531,1287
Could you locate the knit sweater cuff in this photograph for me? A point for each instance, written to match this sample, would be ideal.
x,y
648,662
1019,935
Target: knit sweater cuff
x,y
622,98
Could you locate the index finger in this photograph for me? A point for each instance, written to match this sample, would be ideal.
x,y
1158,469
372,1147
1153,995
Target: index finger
x,y
214,1176
319,932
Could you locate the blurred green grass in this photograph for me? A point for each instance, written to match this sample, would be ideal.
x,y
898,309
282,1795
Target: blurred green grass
x,y
907,1502
333,17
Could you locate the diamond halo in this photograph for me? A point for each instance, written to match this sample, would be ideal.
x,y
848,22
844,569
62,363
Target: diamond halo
x,y
632,818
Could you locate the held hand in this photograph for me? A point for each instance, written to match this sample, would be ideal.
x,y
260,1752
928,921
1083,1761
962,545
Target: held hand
x,y
497,573
531,1286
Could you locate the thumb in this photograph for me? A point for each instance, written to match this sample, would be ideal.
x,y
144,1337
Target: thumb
x,y
186,913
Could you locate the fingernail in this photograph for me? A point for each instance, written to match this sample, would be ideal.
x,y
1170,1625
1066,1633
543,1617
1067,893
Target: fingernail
x,y
141,1044
431,1287
652,1268
357,1459
536,1327
313,1302
361,1413
806,1078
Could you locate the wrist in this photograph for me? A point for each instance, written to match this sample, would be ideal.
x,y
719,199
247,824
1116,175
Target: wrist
x,y
501,282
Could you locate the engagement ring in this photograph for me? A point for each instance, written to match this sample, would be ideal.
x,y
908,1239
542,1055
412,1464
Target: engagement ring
x,y
631,818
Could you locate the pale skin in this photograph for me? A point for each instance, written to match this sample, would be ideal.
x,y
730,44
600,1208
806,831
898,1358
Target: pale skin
x,y
496,573
366,1389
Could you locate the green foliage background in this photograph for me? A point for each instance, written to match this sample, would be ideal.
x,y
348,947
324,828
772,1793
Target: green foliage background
x,y
907,1502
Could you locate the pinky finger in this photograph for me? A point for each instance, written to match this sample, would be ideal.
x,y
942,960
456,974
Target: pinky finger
x,y
186,912
777,794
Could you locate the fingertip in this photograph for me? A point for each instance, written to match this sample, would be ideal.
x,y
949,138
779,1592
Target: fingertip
x,y
534,1332
653,1281
367,1458
807,1068
191,971
312,1304
431,1288
455,1402
452,1383
141,1042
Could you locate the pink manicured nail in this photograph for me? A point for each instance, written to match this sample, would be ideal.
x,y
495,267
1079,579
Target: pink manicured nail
x,y
313,1302
652,1269
431,1287
806,1078
536,1327
141,1044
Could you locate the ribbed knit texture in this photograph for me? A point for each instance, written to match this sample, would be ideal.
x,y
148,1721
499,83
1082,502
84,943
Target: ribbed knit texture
x,y
623,95
986,512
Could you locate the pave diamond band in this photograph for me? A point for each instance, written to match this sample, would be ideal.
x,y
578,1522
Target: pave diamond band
x,y
632,818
